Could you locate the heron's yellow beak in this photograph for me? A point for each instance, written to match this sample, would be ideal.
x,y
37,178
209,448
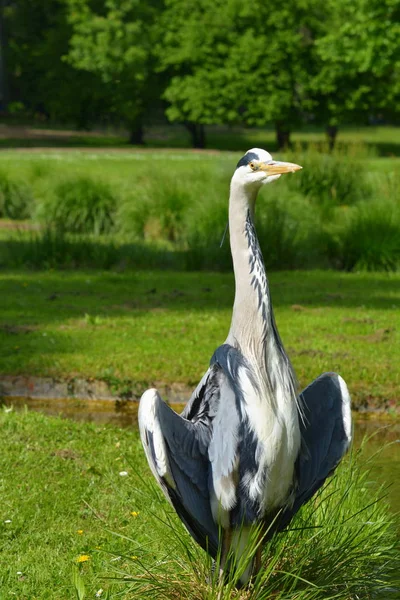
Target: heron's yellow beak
x,y
278,168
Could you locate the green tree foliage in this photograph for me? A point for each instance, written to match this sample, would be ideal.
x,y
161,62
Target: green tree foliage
x,y
37,36
114,40
257,63
239,62
212,62
358,73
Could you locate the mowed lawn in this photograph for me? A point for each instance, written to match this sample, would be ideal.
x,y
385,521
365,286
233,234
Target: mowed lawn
x,y
136,329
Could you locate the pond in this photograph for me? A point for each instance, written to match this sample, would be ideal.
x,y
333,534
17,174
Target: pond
x,y
383,436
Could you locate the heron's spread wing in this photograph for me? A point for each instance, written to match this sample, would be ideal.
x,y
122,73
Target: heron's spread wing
x,y
198,406
326,436
176,450
193,455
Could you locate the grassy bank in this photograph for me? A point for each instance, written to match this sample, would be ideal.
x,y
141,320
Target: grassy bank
x,y
136,329
67,512
169,209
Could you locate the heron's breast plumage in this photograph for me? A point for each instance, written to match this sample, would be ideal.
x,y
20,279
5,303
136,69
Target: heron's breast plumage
x,y
273,424
253,451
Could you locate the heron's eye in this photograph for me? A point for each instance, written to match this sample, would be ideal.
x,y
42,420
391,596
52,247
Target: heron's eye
x,y
253,166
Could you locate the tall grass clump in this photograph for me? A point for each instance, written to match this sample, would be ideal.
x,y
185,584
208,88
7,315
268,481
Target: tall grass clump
x,y
16,198
154,211
289,230
331,179
343,545
79,204
206,237
370,237
187,211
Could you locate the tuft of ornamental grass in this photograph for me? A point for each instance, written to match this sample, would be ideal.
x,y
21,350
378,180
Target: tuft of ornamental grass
x,y
342,545
370,238
155,210
366,237
205,236
290,231
79,204
16,198
331,179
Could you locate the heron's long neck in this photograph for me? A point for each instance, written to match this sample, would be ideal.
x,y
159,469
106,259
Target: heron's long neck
x,y
253,327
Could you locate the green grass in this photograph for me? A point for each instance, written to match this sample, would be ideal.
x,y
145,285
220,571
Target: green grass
x,y
135,329
79,205
15,198
58,478
170,209
63,497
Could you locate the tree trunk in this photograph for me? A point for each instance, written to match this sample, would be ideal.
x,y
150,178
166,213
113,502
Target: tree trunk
x,y
197,133
136,134
84,116
282,135
4,92
331,132
202,136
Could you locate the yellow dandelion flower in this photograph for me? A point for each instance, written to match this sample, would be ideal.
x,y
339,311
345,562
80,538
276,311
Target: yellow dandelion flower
x,y
83,558
134,557
135,514
80,531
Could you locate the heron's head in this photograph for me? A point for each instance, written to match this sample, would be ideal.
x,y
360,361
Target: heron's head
x,y
257,167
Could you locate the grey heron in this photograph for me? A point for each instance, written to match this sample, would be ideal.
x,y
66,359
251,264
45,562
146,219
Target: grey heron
x,y
247,448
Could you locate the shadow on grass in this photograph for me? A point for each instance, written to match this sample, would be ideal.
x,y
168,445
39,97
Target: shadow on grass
x,y
147,326
117,292
50,250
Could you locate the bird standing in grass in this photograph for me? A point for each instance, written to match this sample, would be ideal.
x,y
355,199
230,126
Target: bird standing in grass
x,y
248,450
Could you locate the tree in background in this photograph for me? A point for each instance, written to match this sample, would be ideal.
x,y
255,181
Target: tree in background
x,y
37,35
115,40
358,72
193,45
234,62
4,92
212,61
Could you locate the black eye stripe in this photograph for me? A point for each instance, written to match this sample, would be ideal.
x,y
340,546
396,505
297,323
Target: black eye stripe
x,y
246,159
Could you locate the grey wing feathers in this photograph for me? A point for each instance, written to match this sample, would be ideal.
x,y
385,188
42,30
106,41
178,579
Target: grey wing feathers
x,y
326,432
181,449
198,405
176,450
